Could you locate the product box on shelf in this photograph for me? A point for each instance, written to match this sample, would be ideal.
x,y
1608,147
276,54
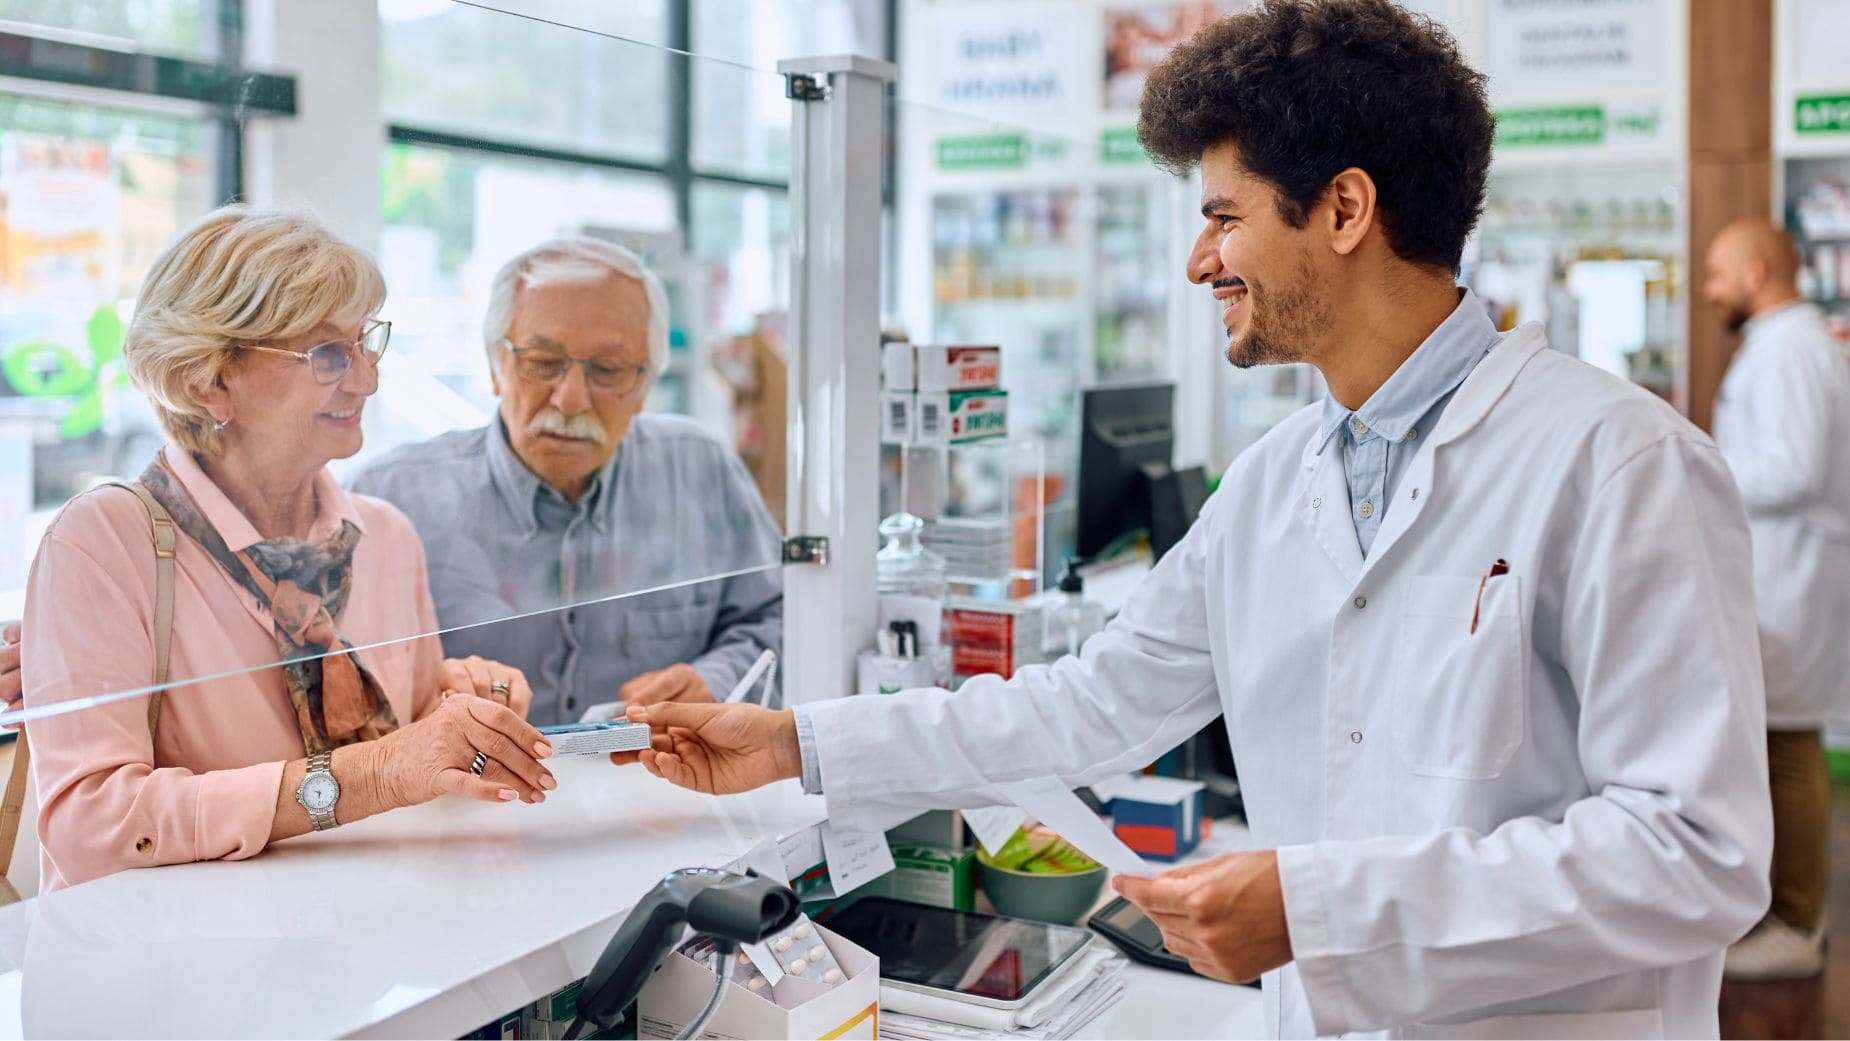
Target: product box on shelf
x,y
958,368
849,1009
927,874
898,417
959,417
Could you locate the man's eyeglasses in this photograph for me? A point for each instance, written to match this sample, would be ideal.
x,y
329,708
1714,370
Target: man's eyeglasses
x,y
330,362
545,366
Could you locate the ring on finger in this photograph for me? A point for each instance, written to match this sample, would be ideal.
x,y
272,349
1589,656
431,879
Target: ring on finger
x,y
476,764
501,688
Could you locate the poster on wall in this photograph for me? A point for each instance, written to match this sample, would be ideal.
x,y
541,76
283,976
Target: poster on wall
x,y
62,206
1139,37
1581,73
1011,64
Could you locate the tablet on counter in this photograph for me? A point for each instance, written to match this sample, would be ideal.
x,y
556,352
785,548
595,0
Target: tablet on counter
x,y
978,958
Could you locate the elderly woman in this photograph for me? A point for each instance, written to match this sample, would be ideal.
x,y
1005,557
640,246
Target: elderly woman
x,y
256,339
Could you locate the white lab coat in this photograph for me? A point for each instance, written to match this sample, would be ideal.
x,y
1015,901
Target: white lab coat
x,y
1783,423
1551,827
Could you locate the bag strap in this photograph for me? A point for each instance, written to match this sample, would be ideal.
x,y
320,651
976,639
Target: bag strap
x,y
12,804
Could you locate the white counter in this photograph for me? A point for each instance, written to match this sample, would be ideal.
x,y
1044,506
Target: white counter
x,y
426,922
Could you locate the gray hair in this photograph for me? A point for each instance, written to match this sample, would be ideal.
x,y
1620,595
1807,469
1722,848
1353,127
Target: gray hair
x,y
574,259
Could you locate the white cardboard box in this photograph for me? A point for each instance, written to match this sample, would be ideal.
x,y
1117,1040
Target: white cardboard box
x,y
850,1009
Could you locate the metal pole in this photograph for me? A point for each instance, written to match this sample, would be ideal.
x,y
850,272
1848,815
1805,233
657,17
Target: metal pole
x,y
837,154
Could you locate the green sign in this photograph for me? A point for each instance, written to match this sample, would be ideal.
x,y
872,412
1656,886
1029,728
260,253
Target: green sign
x,y
1551,127
1121,146
1822,114
983,152
48,369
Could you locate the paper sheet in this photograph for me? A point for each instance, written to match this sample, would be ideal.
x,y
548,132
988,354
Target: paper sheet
x,y
855,857
1049,802
994,825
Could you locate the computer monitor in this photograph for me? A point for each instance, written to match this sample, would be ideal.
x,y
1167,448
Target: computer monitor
x,y
1126,482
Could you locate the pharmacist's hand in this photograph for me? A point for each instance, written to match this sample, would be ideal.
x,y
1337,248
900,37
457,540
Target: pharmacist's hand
x,y
674,683
1226,915
431,757
718,749
12,681
501,684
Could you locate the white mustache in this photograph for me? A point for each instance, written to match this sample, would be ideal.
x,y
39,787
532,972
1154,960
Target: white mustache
x,y
581,427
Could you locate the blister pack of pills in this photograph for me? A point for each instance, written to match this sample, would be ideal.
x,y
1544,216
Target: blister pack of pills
x,y
796,952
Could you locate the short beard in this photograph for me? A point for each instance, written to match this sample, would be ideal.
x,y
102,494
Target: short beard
x,y
1276,333
1736,317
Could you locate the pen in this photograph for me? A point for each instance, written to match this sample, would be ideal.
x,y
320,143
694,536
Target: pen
x,y
1501,567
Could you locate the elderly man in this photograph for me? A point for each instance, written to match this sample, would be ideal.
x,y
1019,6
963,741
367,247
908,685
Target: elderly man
x,y
609,554
1781,422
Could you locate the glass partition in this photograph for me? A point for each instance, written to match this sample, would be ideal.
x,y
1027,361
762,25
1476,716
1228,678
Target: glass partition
x,y
571,472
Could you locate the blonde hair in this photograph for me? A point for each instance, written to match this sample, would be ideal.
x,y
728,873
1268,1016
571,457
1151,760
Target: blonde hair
x,y
238,275
574,259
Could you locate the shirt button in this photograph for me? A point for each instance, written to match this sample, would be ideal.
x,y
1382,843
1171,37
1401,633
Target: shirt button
x,y
1415,495
1367,510
1361,602
1355,737
1316,502
1413,435
1358,426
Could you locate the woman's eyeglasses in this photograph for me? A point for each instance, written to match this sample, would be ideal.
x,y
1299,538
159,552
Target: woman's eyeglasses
x,y
330,362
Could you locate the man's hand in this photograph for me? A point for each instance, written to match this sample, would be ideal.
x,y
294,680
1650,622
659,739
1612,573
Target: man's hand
x,y
678,683
12,681
1226,915
501,684
717,749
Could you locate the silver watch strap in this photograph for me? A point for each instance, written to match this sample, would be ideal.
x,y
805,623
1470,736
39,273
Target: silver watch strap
x,y
322,762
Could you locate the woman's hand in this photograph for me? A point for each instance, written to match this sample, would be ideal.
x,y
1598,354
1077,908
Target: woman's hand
x,y
502,684
432,757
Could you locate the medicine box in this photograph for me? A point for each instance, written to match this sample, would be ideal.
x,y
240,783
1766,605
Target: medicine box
x,y
930,875
1159,817
958,368
850,1009
896,368
960,417
898,418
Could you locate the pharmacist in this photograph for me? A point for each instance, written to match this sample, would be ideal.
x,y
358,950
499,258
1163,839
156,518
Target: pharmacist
x,y
551,520
1481,623
1782,420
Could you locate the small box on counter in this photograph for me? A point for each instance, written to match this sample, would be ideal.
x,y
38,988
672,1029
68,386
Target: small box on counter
x,y
959,417
896,368
925,874
958,368
1159,817
848,1009
996,636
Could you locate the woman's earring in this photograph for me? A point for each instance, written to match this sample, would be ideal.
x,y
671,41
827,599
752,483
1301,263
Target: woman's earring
x,y
222,424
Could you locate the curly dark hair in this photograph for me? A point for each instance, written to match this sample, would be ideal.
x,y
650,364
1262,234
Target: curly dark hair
x,y
1307,88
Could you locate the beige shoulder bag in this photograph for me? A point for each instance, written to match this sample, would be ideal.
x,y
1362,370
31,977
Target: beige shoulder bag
x,y
13,802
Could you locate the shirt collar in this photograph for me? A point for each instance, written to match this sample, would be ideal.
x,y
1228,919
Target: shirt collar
x,y
332,504
1778,316
522,490
1435,369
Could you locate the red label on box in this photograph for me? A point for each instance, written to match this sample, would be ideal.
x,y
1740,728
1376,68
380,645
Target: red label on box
x,y
967,625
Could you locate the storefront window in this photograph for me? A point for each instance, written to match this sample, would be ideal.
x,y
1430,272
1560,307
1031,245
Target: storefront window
x,y
162,26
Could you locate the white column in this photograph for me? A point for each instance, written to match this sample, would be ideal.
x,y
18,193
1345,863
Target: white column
x,y
837,157
328,157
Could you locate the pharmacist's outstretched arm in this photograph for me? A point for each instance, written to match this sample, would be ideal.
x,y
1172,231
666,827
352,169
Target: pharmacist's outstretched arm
x,y
717,749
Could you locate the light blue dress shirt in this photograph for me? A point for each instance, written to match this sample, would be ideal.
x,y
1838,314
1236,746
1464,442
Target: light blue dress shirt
x,y
1378,440
584,596
1382,437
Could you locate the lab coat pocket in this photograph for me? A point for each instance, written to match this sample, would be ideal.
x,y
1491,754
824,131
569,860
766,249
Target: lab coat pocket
x,y
1457,698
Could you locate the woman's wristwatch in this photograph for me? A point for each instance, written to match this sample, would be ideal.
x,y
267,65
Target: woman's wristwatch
x,y
319,791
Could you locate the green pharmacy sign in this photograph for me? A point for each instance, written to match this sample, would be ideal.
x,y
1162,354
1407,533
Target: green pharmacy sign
x,y
48,369
1121,146
1822,114
983,152
1551,127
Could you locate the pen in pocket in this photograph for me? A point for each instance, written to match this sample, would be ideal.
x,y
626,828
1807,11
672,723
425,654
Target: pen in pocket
x,y
1501,567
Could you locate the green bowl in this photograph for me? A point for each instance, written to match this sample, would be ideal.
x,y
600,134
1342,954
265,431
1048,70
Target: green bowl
x,y
1058,899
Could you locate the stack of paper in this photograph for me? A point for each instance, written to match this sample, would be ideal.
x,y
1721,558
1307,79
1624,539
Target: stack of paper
x,y
1068,1004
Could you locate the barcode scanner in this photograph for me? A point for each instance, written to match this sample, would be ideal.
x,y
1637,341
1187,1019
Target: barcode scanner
x,y
731,908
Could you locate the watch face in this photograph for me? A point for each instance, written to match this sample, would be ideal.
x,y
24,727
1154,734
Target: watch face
x,y
319,791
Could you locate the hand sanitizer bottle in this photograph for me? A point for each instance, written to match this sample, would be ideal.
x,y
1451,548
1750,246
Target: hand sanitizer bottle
x,y
1075,618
